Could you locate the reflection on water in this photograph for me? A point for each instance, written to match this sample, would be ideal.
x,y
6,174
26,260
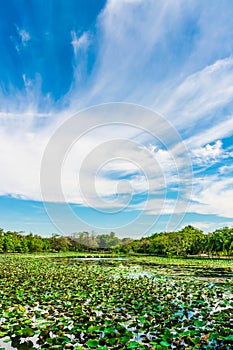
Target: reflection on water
x,y
98,259
17,343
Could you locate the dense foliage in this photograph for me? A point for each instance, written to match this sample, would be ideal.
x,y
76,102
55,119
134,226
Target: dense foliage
x,y
52,303
16,242
188,241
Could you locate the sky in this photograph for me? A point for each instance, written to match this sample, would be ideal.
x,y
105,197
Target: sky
x,y
116,115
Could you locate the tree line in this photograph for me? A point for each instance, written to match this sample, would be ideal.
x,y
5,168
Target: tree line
x,y
17,242
188,241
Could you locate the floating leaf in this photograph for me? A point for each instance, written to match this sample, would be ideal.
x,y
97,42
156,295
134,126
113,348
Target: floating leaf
x,y
164,343
132,345
92,343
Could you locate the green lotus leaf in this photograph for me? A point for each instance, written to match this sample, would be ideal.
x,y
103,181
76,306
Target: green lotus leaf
x,y
7,340
133,345
3,334
92,343
109,330
164,343
229,337
124,339
28,332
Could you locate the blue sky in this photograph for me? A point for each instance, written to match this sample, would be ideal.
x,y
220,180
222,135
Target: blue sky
x,y
174,58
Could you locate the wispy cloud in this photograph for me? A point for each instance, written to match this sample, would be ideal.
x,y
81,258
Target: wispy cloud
x,y
24,36
212,133
201,94
79,42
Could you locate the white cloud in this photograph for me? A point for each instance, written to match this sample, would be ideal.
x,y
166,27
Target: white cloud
x,y
79,42
192,96
128,32
226,169
200,94
213,195
24,37
20,164
219,130
109,154
27,82
208,153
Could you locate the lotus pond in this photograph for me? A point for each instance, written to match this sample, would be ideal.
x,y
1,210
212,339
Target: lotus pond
x,y
135,303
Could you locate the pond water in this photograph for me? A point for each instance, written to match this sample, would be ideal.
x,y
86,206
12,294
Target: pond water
x,y
19,344
134,270
98,259
81,301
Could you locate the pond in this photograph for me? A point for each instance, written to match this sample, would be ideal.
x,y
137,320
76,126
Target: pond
x,y
114,304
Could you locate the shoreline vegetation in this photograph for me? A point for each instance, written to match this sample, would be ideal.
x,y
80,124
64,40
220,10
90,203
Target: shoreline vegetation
x,y
189,242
